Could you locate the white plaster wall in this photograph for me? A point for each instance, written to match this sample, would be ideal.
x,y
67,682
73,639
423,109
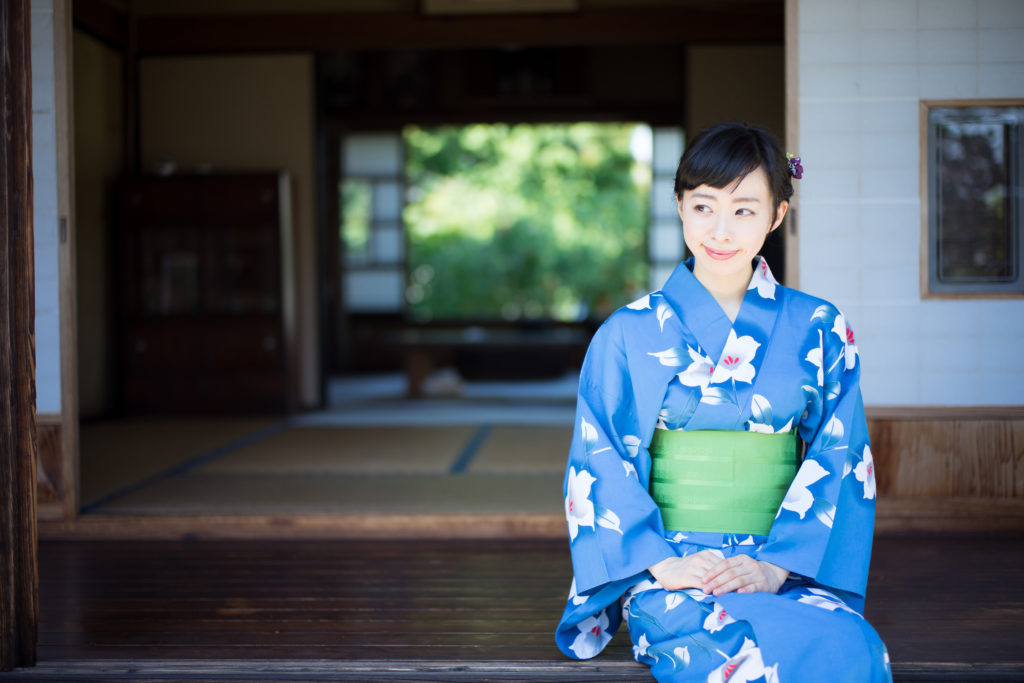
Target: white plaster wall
x,y
45,220
864,65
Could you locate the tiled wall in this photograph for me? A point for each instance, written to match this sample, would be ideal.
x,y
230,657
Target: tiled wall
x,y
45,224
864,66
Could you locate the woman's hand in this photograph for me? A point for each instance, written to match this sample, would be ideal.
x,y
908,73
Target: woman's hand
x,y
743,574
677,573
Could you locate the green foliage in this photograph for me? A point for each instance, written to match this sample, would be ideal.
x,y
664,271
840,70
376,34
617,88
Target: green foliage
x,y
535,221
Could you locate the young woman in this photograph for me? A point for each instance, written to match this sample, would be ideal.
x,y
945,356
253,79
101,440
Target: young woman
x,y
720,487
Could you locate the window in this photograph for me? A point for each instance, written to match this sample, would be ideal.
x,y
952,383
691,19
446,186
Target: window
x,y
526,222
371,236
975,197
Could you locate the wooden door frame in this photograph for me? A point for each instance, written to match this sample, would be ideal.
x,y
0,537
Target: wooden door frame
x,y
19,584
792,57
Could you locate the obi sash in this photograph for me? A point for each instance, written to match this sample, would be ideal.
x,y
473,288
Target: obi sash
x,y
721,481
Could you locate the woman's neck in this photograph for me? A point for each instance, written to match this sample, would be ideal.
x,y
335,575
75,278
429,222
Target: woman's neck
x,y
728,291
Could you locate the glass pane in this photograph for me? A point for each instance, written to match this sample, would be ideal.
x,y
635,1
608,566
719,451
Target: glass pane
x,y
975,235
374,290
388,243
170,264
243,276
356,203
372,154
668,147
387,201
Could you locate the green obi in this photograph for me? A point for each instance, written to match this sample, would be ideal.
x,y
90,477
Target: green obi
x,y
721,481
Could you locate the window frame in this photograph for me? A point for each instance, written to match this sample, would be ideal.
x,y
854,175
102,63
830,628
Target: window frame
x,y
928,250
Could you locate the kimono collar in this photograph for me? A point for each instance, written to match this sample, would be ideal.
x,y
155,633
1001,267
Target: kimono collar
x,y
705,320
730,347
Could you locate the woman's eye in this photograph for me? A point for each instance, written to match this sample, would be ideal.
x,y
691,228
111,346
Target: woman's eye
x,y
744,212
702,208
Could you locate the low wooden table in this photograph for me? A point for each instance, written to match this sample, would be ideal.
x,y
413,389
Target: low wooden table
x,y
425,349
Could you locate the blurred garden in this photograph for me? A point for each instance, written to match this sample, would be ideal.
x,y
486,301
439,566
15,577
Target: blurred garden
x,y
525,222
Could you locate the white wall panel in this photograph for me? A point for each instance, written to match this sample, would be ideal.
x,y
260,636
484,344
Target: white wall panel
x,y
1001,13
946,13
860,222
947,47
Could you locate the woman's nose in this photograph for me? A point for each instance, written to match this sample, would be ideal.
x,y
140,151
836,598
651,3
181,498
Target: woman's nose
x,y
720,230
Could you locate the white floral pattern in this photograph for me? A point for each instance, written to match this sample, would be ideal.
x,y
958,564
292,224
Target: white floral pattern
x,y
845,334
640,649
865,473
761,416
673,357
799,498
631,444
579,509
718,619
640,304
763,281
664,313
593,636
699,372
816,358
735,363
825,600
576,598
745,666
767,429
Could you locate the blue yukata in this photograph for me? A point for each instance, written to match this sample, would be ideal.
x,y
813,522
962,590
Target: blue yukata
x,y
674,360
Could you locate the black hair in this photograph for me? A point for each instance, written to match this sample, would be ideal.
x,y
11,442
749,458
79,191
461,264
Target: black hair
x,y
726,152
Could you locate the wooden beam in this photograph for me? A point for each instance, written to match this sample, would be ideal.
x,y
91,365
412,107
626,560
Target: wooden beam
x,y
19,609
641,26
103,20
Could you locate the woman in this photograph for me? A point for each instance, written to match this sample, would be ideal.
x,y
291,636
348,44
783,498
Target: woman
x,y
720,487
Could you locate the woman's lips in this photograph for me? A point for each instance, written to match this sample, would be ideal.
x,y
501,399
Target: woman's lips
x,y
720,255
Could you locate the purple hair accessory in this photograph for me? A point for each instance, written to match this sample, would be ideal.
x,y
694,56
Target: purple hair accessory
x,y
796,169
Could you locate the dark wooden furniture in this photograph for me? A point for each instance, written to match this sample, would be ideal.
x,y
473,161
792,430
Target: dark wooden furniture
x,y
950,607
485,352
206,310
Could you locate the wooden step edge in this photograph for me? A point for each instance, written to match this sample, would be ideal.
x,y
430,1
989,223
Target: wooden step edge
x,y
893,515
301,527
548,670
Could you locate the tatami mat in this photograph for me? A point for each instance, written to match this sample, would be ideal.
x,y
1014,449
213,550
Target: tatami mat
x,y
348,450
523,449
434,413
234,466
499,448
120,453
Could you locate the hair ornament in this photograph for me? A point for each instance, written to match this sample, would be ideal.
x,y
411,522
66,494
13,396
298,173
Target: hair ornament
x,y
796,169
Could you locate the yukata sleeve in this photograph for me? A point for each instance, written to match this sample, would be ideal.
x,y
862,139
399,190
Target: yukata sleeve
x,y
824,525
615,527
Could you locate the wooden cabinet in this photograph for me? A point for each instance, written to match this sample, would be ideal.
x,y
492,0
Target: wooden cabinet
x,y
205,306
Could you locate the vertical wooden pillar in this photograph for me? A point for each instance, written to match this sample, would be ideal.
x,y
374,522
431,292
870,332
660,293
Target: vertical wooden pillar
x,y
19,610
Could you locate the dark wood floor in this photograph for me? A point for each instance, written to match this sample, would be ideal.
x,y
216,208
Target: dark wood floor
x,y
950,608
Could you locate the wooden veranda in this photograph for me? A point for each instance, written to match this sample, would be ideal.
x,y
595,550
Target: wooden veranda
x,y
949,606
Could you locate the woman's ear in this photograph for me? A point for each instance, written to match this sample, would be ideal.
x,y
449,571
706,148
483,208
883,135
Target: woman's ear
x,y
780,213
679,206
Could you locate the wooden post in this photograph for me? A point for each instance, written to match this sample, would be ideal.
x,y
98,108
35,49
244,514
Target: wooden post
x,y
19,583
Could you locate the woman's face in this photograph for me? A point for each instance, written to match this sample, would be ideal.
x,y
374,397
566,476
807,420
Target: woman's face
x,y
724,228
